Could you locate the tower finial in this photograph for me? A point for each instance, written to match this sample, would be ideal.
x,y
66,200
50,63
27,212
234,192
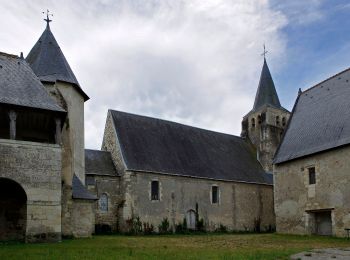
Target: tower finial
x,y
47,17
264,53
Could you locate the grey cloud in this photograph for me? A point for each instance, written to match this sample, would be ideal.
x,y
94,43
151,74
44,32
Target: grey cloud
x,y
196,62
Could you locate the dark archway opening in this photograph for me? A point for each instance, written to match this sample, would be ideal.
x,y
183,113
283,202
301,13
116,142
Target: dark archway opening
x,y
13,211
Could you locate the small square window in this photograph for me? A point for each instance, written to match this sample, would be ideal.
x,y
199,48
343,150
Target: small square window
x,y
312,175
214,194
155,190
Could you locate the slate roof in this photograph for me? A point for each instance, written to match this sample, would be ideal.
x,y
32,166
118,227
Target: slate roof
x,y
99,163
20,86
320,119
159,146
49,64
80,191
266,93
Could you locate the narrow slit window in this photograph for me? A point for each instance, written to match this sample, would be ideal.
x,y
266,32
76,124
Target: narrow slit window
x,y
155,190
215,194
312,175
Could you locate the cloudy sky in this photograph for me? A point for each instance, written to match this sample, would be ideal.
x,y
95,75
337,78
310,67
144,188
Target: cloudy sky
x,y
196,62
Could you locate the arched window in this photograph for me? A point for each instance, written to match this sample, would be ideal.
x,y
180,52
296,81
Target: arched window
x,y
253,122
277,120
103,202
259,119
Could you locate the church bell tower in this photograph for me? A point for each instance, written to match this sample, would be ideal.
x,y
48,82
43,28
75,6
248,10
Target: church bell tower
x,y
263,126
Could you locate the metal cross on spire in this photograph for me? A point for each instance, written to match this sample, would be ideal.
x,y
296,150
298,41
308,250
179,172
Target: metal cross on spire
x,y
47,17
265,51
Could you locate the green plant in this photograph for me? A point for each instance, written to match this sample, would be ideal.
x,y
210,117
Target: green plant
x,y
184,225
200,225
148,229
164,227
257,223
134,225
221,229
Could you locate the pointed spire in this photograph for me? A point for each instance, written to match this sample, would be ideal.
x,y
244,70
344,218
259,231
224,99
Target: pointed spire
x,y
266,93
48,62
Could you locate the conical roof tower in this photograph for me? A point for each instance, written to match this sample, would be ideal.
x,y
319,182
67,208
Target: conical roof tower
x,y
266,93
49,63
263,126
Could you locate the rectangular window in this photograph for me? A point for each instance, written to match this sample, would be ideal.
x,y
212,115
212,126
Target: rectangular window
x,y
312,175
155,190
214,194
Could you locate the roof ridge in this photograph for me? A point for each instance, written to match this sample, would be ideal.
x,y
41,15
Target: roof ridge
x,y
9,55
173,122
323,81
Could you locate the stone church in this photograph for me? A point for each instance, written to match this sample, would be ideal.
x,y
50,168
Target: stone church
x,y
152,169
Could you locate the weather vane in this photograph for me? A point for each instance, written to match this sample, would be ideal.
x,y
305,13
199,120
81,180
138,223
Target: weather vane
x,y
47,16
265,51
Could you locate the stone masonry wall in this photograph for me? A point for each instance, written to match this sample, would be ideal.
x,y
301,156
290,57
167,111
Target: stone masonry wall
x,y
295,198
37,168
109,185
266,133
240,204
73,153
72,133
110,143
83,218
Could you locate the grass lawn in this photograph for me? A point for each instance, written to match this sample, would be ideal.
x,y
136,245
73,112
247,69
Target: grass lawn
x,y
225,246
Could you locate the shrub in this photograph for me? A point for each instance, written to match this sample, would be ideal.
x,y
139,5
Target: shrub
x,y
184,225
148,229
221,229
181,227
164,226
257,222
134,225
200,225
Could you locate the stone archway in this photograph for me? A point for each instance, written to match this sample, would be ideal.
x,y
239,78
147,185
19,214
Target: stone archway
x,y
13,210
191,219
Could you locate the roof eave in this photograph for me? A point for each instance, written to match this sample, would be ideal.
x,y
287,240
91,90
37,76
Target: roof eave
x,y
198,177
77,87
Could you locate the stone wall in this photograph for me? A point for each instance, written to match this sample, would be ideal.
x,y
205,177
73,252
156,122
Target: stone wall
x,y
109,185
73,153
240,204
83,218
73,156
265,131
78,215
296,200
110,143
36,167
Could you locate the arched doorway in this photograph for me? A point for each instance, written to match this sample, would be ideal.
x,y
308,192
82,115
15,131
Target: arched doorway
x,y
13,210
191,219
